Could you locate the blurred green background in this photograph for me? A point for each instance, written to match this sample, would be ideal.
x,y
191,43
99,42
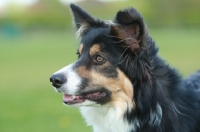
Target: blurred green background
x,y
38,38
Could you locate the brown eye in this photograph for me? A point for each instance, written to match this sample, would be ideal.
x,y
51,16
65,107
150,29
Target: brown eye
x,y
99,59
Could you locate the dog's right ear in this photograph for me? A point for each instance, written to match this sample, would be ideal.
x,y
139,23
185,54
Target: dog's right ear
x,y
83,20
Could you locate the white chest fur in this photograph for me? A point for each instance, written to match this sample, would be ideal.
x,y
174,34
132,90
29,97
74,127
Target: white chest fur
x,y
106,119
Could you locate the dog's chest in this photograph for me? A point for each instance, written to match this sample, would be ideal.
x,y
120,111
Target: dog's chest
x,y
105,119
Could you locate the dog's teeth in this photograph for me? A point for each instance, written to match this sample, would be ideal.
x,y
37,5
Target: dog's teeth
x,y
90,96
73,97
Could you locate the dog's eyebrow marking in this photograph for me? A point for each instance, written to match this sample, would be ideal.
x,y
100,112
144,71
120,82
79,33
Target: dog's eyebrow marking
x,y
80,50
94,49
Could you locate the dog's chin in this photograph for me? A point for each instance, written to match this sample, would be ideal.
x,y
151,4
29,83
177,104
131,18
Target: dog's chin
x,y
85,99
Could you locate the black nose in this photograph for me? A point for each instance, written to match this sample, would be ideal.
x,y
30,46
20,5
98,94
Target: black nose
x,y
58,80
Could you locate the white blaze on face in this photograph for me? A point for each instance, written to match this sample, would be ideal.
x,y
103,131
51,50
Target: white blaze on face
x,y
73,80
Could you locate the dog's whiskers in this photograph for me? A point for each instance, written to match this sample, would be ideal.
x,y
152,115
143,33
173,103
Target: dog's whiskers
x,y
122,55
122,60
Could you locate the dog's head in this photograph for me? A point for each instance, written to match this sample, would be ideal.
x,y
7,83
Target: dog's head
x,y
104,72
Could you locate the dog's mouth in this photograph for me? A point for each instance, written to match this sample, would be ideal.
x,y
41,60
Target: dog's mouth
x,y
75,99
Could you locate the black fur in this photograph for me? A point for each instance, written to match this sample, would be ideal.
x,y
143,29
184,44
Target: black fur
x,y
154,81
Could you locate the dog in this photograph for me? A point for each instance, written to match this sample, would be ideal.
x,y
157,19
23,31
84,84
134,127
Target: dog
x,y
121,84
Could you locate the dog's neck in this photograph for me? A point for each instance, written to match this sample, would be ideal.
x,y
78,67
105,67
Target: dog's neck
x,y
106,119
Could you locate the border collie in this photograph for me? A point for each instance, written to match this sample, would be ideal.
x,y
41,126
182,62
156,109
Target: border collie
x,y
121,84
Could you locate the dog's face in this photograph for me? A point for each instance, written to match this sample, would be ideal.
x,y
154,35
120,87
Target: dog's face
x,y
99,77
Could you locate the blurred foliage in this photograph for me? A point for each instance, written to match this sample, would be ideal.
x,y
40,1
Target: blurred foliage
x,y
43,14
157,13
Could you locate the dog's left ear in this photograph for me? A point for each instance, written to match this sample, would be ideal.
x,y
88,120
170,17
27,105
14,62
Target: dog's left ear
x,y
83,20
130,29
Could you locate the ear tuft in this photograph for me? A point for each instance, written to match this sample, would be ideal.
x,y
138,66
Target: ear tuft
x,y
130,28
128,35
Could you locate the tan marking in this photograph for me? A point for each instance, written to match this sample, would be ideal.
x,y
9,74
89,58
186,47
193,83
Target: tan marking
x,y
94,49
80,49
121,87
83,72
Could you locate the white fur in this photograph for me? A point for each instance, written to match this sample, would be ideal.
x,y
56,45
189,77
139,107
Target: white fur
x,y
106,118
110,22
81,30
156,116
73,80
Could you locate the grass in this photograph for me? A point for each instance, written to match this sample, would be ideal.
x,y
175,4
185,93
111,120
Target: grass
x,y
28,103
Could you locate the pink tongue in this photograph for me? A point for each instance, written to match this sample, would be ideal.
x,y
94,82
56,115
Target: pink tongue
x,y
67,97
70,98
